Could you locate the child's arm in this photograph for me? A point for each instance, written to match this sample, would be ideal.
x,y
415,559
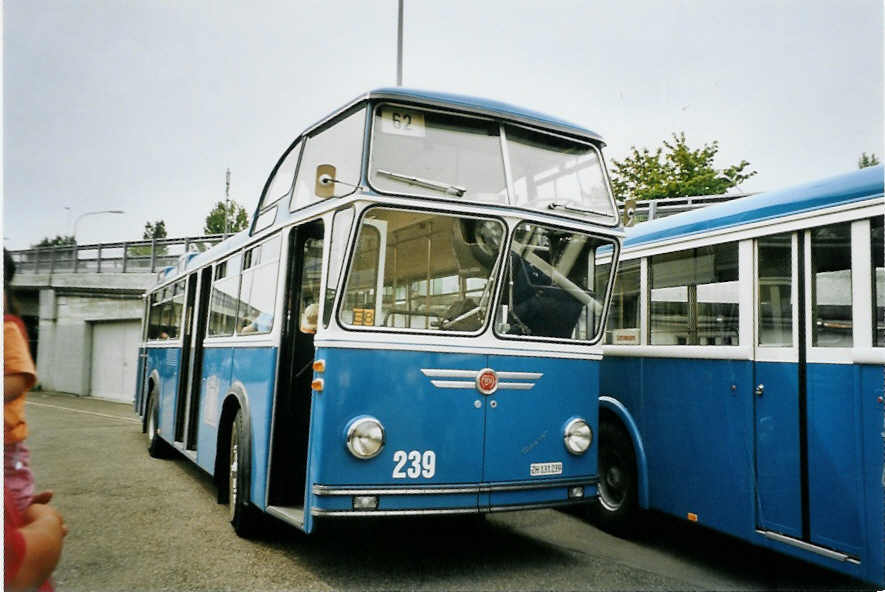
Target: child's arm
x,y
43,534
14,386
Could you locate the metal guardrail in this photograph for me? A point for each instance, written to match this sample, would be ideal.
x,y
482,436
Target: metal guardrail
x,y
651,209
144,256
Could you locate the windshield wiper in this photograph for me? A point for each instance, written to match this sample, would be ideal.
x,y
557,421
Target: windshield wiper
x,y
428,183
558,205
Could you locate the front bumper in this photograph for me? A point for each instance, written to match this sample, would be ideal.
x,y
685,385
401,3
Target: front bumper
x,y
468,498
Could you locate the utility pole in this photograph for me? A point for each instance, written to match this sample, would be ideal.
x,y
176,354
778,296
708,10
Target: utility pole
x,y
226,200
399,46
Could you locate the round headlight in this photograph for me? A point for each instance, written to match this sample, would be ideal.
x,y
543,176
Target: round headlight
x,y
577,436
365,437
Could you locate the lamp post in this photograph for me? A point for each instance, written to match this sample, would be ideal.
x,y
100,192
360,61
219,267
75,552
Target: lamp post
x,y
83,215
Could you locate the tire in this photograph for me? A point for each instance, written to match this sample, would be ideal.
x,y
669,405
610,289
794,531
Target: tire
x,y
243,516
617,509
156,446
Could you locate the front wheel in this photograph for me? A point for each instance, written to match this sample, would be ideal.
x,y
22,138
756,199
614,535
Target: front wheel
x,y
617,508
243,517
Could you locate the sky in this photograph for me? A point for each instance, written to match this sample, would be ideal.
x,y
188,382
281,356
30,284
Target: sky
x,y
141,105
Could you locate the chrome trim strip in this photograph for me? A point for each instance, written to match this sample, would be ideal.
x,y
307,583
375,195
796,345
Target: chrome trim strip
x,y
453,384
809,547
444,373
519,375
322,512
568,502
319,489
472,374
490,509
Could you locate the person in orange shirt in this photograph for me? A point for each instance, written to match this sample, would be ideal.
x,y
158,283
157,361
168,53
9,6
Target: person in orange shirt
x,y
19,375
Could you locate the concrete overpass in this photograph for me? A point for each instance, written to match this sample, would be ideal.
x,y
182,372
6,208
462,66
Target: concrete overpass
x,y
83,306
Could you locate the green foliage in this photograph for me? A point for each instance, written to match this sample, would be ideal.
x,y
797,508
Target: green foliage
x,y
234,213
152,230
60,240
674,170
156,229
867,161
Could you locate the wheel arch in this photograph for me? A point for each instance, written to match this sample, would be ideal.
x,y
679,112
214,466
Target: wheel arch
x,y
617,412
235,400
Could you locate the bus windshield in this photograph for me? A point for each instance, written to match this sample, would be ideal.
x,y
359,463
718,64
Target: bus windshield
x,y
552,286
437,154
422,270
428,153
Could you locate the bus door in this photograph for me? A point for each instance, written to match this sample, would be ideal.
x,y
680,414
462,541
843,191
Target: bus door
x,y
195,361
293,396
837,312
776,387
809,461
186,357
141,384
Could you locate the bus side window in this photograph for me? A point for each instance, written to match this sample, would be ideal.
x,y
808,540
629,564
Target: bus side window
x,y
154,327
877,247
340,145
831,286
337,249
311,273
258,289
623,315
223,301
775,281
694,297
281,184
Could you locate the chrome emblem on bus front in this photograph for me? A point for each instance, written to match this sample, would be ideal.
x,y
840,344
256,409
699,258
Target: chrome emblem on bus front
x,y
486,381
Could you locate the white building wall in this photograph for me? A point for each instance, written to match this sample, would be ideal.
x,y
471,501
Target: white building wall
x,y
64,361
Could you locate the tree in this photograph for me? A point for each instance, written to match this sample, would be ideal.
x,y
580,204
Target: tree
x,y
60,240
674,170
235,215
867,161
152,230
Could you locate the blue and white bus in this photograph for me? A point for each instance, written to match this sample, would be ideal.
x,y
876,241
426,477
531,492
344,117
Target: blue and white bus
x,y
742,385
408,326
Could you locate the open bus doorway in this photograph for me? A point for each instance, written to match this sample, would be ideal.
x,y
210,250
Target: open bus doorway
x,y
293,400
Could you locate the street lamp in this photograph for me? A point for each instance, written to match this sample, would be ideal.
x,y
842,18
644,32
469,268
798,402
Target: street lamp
x,y
81,216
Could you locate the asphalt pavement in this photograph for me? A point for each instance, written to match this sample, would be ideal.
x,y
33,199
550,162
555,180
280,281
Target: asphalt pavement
x,y
138,523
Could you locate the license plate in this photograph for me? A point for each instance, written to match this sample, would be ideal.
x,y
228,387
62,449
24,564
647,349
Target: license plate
x,y
548,468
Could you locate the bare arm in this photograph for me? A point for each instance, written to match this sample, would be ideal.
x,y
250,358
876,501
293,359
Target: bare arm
x,y
44,535
14,386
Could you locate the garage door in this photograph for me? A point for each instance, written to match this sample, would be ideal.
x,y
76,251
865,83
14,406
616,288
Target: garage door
x,y
115,359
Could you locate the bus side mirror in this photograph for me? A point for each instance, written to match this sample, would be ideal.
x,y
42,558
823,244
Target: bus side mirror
x,y
325,181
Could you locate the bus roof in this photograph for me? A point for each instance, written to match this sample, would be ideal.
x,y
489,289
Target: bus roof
x,y
471,104
834,191
415,96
